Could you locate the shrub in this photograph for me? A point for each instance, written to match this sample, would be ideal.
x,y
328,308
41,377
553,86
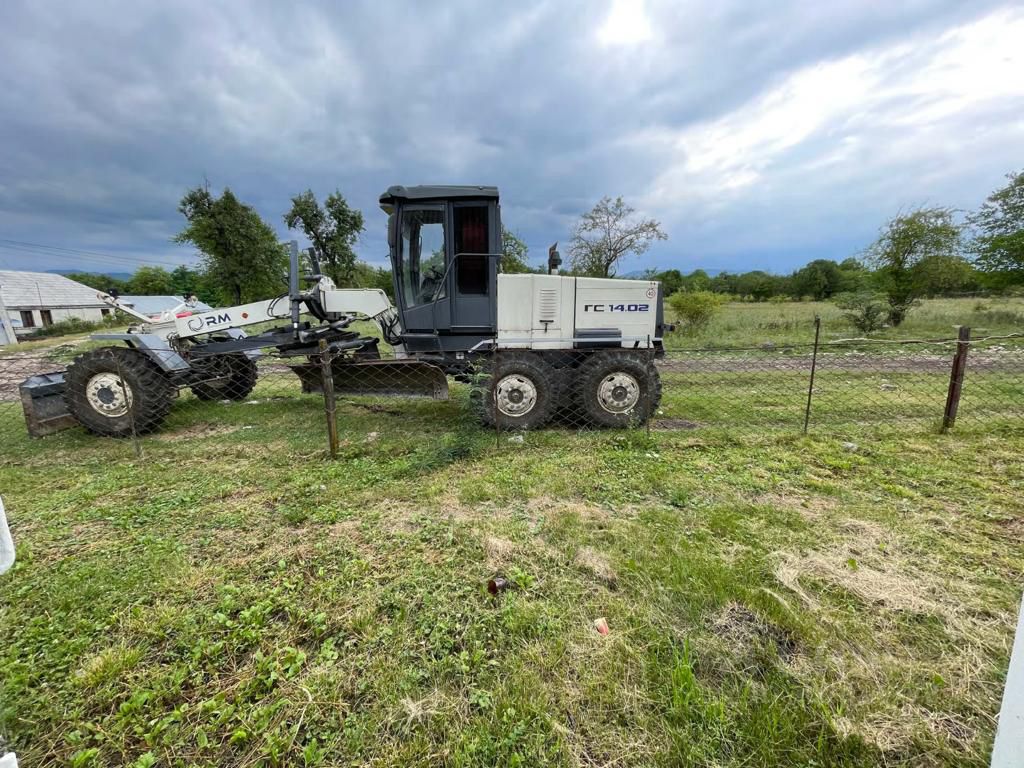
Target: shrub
x,y
694,309
75,325
865,310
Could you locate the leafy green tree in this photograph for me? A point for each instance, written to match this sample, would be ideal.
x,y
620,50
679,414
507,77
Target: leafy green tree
x,y
513,253
186,281
819,279
151,281
242,259
671,280
758,285
940,275
698,280
98,281
902,244
853,276
606,234
368,276
999,243
333,230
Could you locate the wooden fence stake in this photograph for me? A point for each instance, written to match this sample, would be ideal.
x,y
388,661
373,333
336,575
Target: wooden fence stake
x,y
956,378
330,403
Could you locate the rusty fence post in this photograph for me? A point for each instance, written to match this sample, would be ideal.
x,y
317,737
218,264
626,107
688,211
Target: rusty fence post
x,y
814,368
330,403
956,378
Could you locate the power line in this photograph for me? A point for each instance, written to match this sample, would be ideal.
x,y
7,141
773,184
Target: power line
x,y
60,252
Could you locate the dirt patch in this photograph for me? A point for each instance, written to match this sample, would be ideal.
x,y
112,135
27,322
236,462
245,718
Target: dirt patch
x,y
809,507
674,424
597,564
196,431
500,552
866,565
743,631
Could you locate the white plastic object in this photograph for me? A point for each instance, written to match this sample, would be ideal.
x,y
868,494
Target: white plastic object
x,y
6,559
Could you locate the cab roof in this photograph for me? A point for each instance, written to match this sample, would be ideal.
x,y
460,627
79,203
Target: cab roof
x,y
435,192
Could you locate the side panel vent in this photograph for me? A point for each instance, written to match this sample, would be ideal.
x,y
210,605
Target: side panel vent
x,y
547,306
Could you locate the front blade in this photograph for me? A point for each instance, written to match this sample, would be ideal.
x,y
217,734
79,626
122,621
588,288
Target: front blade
x,y
391,378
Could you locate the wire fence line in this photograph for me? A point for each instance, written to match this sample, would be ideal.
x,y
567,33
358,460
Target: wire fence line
x,y
822,388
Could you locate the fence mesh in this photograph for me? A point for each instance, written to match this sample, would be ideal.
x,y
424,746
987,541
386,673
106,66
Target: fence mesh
x,y
120,392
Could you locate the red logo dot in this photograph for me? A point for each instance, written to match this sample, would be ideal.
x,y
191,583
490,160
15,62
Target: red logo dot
x,y
245,315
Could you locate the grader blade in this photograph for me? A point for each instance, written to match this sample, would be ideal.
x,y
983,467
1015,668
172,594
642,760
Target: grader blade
x,y
391,378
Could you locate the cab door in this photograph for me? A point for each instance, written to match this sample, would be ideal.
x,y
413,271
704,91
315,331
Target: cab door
x,y
474,274
422,282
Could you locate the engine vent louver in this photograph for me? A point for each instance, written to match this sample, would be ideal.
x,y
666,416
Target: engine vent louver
x,y
547,306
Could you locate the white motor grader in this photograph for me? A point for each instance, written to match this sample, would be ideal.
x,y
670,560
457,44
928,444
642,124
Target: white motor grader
x,y
530,343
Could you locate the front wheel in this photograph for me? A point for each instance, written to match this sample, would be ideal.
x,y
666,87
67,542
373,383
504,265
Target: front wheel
x,y
116,391
619,389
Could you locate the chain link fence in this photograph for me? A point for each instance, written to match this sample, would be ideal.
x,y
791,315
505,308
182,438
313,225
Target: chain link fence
x,y
822,388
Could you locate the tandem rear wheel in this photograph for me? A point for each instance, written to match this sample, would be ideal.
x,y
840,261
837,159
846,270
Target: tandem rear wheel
x,y
609,389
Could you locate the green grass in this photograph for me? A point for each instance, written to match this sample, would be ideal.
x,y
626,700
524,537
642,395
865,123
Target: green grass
x,y
751,324
236,598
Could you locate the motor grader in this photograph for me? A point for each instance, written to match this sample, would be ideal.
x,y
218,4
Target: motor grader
x,y
530,344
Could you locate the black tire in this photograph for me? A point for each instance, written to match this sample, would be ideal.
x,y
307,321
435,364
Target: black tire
x,y
519,378
236,379
618,389
94,395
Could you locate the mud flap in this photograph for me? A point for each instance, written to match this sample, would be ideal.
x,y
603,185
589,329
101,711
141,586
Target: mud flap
x,y
391,378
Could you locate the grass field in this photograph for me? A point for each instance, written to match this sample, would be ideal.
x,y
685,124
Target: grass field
x,y
234,598
748,323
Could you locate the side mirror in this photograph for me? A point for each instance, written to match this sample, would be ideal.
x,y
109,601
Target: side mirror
x,y
554,259
392,230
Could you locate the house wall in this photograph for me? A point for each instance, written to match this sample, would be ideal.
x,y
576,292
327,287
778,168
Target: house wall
x,y
88,314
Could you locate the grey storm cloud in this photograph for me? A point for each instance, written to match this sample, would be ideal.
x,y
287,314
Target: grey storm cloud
x,y
760,136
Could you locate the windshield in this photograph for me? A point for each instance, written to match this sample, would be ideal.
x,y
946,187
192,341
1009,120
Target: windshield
x,y
422,257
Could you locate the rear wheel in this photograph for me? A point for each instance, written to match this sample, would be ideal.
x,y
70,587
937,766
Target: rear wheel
x,y
231,377
519,392
619,389
114,391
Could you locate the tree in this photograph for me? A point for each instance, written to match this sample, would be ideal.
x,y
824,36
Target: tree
x,y
606,234
151,281
671,281
902,244
368,276
333,230
939,275
513,253
819,279
697,280
97,281
999,244
185,281
242,259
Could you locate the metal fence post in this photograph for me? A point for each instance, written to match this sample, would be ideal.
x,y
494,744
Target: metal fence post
x,y
130,404
814,368
956,377
330,403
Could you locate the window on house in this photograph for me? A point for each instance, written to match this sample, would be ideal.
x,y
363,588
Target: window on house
x,y
105,312
47,317
27,320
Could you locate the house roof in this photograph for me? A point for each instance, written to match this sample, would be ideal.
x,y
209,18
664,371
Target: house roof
x,y
154,305
43,290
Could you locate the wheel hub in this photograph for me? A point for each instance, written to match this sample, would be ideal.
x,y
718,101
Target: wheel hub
x,y
618,392
516,395
108,394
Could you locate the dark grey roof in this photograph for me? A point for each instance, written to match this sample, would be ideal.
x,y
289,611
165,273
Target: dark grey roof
x,y
44,290
436,192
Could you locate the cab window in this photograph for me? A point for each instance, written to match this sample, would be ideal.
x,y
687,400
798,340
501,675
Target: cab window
x,y
422,257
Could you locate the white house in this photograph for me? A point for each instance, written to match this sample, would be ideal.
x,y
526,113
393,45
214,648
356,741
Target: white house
x,y
34,300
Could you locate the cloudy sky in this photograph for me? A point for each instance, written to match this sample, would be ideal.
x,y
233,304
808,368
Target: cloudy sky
x,y
760,134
